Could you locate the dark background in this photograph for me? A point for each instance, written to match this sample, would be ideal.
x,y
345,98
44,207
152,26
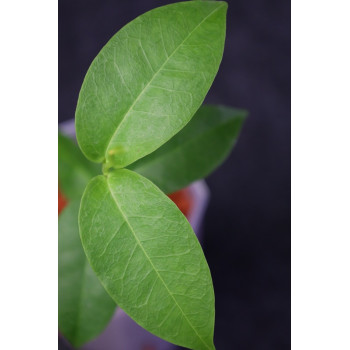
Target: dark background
x,y
247,226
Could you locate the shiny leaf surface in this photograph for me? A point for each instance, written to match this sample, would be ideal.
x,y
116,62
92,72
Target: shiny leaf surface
x,y
148,258
148,81
200,147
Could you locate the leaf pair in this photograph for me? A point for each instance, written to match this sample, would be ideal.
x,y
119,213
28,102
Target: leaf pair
x,y
191,154
142,89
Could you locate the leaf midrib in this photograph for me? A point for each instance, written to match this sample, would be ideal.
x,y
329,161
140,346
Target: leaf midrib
x,y
155,74
154,268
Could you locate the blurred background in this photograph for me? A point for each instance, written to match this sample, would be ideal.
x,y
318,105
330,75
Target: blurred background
x,y
247,224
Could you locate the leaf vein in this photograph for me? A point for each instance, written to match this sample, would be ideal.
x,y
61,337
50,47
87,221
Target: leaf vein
x,y
154,268
156,73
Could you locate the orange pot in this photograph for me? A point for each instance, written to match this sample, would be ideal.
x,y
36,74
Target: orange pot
x,y
182,199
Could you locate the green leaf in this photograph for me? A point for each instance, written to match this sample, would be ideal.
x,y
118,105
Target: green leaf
x,y
84,307
200,147
148,81
74,170
148,258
